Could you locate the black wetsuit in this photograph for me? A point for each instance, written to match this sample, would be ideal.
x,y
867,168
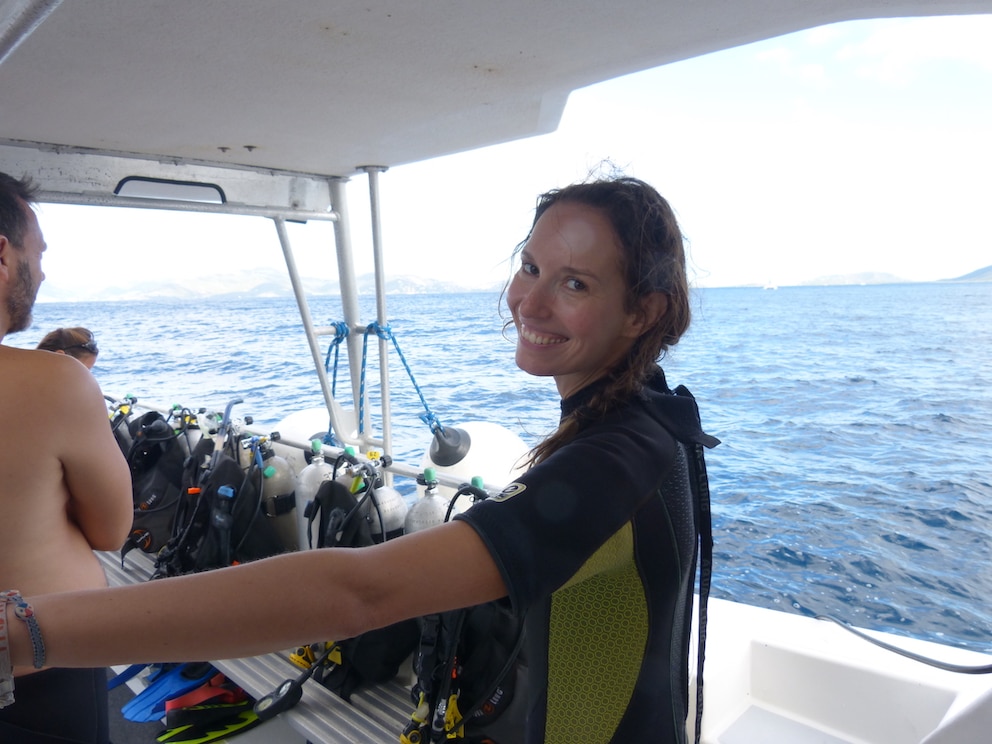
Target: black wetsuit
x,y
57,706
598,544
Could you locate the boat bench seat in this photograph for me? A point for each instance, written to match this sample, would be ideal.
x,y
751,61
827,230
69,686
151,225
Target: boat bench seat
x,y
376,714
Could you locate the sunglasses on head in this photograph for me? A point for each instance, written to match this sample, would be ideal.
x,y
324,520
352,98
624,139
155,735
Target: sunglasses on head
x,y
89,346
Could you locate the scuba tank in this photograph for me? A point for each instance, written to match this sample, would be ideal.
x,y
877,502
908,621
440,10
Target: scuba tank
x,y
187,425
207,422
384,509
435,508
429,509
389,507
279,486
348,473
465,496
308,482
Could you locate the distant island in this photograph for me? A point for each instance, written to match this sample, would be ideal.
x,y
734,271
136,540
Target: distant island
x,y
982,275
866,277
874,277
878,277
245,283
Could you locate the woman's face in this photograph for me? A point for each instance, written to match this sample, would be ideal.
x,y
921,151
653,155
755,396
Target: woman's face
x,y
567,299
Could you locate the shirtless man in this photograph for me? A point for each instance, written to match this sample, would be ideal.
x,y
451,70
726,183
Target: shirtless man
x,y
65,489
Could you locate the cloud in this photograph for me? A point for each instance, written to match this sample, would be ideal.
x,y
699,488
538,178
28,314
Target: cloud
x,y
786,61
897,52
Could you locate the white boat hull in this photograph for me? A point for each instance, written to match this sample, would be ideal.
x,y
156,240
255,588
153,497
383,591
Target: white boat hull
x,y
778,677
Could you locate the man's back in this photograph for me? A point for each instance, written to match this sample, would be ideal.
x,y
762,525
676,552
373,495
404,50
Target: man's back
x,y
64,485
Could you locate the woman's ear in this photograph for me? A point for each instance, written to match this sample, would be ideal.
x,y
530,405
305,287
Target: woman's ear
x,y
651,308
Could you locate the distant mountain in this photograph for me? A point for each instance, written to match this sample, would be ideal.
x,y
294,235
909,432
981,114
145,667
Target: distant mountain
x,y
879,277
865,277
244,284
982,275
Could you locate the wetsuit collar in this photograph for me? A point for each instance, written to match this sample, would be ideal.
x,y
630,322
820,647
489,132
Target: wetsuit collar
x,y
676,412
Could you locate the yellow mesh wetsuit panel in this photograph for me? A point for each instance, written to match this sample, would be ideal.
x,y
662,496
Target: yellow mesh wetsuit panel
x,y
597,638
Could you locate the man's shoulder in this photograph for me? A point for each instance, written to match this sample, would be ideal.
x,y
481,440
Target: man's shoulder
x,y
34,367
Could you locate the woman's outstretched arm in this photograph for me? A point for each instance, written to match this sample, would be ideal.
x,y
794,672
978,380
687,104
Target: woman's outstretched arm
x,y
264,606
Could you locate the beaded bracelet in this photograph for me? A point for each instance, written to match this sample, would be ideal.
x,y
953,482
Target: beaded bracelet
x,y
25,612
6,670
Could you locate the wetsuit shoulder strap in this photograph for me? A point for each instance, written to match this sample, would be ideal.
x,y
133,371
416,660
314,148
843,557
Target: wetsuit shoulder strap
x,y
699,483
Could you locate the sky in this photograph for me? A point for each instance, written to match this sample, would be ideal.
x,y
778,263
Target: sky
x,y
857,147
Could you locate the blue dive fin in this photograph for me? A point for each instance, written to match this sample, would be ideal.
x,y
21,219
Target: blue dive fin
x,y
149,704
119,679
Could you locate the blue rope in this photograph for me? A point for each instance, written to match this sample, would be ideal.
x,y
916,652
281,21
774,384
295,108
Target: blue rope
x,y
340,334
386,333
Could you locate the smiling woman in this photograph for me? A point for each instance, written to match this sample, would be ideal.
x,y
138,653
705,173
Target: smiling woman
x,y
602,275
568,281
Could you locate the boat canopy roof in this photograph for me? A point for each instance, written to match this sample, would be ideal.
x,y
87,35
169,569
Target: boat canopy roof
x,y
92,91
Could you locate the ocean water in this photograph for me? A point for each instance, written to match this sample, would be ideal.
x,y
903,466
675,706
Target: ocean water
x,y
855,474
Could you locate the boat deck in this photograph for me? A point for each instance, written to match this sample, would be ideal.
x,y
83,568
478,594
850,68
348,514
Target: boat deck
x,y
376,714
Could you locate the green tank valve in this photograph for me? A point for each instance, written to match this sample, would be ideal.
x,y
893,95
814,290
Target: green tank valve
x,y
316,446
477,481
350,451
430,474
269,471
